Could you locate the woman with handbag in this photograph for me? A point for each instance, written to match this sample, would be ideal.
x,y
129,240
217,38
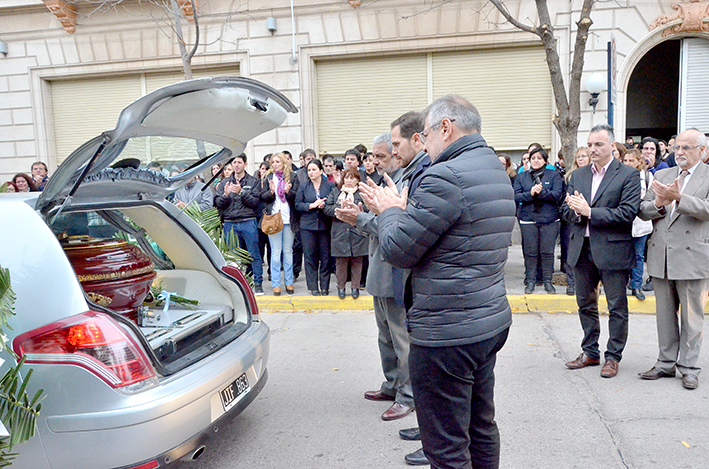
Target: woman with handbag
x,y
347,245
315,228
281,186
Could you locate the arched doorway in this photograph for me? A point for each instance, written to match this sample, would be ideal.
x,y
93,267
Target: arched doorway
x,y
668,90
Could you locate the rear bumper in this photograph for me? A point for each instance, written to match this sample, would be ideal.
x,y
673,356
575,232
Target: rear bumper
x,y
186,449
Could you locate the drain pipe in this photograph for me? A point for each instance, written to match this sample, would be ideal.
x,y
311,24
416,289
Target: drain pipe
x,y
294,58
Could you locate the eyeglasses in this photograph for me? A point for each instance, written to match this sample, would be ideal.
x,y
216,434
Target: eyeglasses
x,y
426,131
685,148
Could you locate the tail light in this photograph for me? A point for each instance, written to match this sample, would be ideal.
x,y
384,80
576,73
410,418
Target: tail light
x,y
92,341
238,275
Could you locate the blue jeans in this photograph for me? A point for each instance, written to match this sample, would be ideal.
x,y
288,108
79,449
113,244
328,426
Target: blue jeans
x,y
248,232
282,241
636,276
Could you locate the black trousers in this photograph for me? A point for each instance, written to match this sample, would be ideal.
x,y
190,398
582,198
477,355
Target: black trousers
x,y
297,255
454,394
587,276
538,243
316,254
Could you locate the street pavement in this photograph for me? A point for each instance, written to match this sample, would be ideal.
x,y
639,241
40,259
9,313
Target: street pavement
x,y
312,413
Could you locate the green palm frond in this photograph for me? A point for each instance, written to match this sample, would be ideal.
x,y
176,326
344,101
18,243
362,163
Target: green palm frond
x,y
17,411
7,302
211,223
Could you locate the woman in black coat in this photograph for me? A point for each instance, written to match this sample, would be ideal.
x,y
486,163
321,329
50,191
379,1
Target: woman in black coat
x,y
347,245
315,228
537,194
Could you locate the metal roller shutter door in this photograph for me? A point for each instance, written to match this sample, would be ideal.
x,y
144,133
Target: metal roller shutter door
x,y
83,108
694,85
510,87
358,99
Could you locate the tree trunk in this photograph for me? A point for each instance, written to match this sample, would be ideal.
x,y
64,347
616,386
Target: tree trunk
x,y
568,107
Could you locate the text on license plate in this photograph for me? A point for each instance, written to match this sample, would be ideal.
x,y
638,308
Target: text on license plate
x,y
230,393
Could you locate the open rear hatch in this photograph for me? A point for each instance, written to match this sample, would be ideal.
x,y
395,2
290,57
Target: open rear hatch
x,y
106,190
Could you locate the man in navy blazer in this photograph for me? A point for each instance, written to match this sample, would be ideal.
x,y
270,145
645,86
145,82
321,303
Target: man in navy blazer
x,y
601,202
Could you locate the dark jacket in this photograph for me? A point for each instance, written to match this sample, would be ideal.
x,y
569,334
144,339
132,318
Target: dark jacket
x,y
613,210
454,235
315,219
269,199
345,240
541,208
235,208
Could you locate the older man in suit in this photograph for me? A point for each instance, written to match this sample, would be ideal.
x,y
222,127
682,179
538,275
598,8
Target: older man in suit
x,y
678,257
601,203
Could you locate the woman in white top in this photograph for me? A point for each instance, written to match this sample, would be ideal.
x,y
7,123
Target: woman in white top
x,y
641,228
280,187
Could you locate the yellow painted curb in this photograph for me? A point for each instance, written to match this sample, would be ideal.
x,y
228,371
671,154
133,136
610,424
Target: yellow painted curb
x,y
518,303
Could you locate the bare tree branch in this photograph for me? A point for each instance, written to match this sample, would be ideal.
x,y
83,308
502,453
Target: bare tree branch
x,y
502,8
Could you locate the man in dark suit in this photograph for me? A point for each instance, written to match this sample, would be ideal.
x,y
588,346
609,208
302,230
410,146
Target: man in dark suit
x,y
601,202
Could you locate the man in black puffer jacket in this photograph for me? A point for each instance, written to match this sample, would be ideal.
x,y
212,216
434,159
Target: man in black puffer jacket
x,y
453,233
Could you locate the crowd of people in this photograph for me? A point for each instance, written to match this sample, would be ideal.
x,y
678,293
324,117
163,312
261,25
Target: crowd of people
x,y
427,218
540,191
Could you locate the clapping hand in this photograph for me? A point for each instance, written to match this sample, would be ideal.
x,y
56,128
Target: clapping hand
x,y
348,212
536,189
665,194
379,199
578,204
318,203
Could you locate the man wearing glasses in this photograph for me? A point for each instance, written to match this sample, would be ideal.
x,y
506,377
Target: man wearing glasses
x,y
678,258
453,233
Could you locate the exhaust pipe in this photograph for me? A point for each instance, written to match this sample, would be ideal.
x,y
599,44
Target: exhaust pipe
x,y
198,452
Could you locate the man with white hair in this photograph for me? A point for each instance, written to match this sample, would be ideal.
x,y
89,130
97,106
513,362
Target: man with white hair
x,y
390,315
678,257
453,232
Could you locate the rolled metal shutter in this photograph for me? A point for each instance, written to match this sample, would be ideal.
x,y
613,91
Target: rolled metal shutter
x,y
83,108
510,88
694,85
357,99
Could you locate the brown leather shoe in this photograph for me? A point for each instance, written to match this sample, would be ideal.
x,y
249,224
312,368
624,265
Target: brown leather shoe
x,y
656,373
396,411
290,289
690,381
276,291
610,368
378,396
583,361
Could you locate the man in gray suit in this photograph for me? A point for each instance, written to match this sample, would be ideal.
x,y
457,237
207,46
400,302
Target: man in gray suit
x,y
390,316
678,257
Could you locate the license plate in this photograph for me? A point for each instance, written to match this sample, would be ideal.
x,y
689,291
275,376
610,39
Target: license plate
x,y
231,393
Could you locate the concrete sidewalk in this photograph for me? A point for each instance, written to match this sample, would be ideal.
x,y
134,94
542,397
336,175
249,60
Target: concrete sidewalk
x,y
514,279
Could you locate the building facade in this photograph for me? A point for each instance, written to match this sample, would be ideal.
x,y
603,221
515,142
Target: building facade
x,y
351,67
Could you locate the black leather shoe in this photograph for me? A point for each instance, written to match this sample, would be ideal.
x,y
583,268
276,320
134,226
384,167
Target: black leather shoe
x,y
325,292
529,288
549,288
355,293
690,381
417,458
341,293
410,434
656,373
571,291
314,292
648,285
638,293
